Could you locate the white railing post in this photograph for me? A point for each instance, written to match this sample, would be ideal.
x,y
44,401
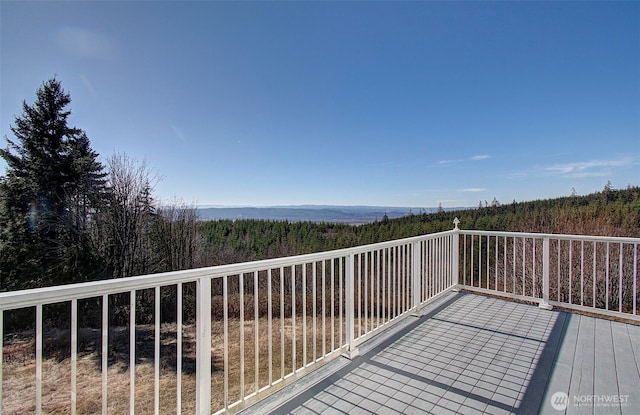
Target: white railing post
x,y
455,268
544,303
352,351
415,275
203,346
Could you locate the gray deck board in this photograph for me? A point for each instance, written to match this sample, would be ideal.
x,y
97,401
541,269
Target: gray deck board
x,y
471,354
626,364
560,378
634,337
583,370
605,376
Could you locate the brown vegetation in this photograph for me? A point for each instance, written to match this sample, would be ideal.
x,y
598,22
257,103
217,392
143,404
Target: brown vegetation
x,y
19,366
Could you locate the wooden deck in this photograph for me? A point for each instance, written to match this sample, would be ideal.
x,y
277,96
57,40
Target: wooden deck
x,y
470,354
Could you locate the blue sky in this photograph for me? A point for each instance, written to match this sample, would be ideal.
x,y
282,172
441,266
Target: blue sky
x,y
345,103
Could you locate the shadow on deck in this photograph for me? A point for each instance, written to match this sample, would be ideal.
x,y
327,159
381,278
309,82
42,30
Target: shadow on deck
x,y
470,354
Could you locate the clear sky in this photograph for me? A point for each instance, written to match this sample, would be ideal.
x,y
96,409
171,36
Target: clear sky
x,y
345,103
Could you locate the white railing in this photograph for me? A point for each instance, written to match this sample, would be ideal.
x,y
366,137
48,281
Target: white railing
x,y
217,339
584,273
256,327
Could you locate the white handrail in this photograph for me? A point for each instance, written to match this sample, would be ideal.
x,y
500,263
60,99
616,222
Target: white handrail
x,y
590,238
597,274
377,286
48,295
389,280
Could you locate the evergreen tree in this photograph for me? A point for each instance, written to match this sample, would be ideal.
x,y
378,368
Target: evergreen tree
x,y
53,184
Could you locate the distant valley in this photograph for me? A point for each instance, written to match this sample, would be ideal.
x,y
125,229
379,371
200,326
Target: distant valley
x,y
353,215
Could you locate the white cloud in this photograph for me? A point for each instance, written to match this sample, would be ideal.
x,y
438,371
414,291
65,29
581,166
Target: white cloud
x,y
480,157
474,189
84,43
580,169
443,162
456,161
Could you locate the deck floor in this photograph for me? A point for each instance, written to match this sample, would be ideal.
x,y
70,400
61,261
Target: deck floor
x,y
470,354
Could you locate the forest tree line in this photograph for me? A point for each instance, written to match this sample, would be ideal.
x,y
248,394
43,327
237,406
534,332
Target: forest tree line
x,y
67,217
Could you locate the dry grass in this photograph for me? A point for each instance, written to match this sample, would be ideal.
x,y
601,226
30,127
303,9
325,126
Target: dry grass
x,y
19,378
19,366
19,358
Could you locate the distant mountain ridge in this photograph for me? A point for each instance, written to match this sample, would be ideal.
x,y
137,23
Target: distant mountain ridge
x,y
354,215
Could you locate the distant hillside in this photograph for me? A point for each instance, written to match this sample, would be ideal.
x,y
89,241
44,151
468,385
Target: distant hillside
x,y
352,215
611,213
